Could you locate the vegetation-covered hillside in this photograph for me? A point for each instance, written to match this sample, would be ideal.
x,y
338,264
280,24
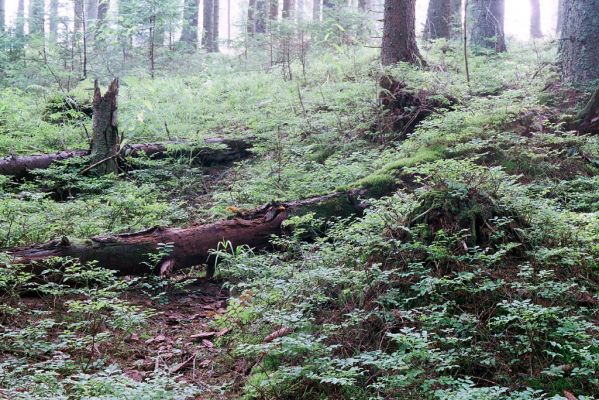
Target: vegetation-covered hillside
x,y
418,230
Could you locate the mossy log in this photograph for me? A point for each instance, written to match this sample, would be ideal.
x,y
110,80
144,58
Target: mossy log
x,y
128,254
205,155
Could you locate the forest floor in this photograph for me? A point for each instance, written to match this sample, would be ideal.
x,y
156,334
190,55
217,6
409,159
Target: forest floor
x,y
472,274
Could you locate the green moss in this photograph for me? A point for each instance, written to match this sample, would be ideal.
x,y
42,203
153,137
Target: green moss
x,y
383,180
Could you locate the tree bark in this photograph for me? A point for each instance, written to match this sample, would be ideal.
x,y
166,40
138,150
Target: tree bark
x,y
215,26
53,20
20,25
191,12
36,17
78,13
438,20
288,9
273,10
316,5
588,119
535,19
261,16
399,33
560,16
2,15
487,25
210,36
105,137
579,47
235,149
128,253
91,11
251,22
456,20
102,13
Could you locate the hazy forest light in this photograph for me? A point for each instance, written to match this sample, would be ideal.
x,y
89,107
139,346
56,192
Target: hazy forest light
x,y
517,17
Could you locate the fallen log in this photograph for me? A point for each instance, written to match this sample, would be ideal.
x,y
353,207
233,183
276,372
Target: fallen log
x,y
129,253
234,149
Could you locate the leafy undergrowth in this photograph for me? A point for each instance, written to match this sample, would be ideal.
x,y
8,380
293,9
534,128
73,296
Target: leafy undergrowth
x,y
474,276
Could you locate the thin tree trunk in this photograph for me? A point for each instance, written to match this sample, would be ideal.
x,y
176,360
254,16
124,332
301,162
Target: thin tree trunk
x,y
487,24
189,35
399,33
206,156
129,253
105,137
77,16
535,19
438,20
579,47
102,13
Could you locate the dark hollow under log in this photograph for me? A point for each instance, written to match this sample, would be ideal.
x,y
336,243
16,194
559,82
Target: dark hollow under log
x,y
128,254
235,149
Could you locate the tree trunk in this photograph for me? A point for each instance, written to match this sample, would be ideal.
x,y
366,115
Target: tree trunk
x,y
251,22
363,5
91,11
36,17
105,137
2,15
128,253
438,20
207,36
53,20
102,13
78,16
456,20
588,119
288,9
535,19
234,149
316,5
215,26
487,24
261,16
560,16
189,35
579,47
399,33
273,10
20,25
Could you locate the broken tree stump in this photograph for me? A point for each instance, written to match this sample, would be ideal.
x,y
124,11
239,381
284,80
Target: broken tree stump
x,y
128,254
105,135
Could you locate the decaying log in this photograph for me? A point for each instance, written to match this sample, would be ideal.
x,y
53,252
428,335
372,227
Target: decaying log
x,y
128,253
235,149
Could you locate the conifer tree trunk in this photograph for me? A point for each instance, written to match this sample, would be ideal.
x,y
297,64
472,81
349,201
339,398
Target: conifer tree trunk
x,y
535,19
53,20
399,33
207,37
273,11
438,20
456,20
20,26
579,46
105,137
215,26
251,21
487,24
91,11
2,15
261,16
316,10
77,15
189,34
288,8
36,17
560,16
